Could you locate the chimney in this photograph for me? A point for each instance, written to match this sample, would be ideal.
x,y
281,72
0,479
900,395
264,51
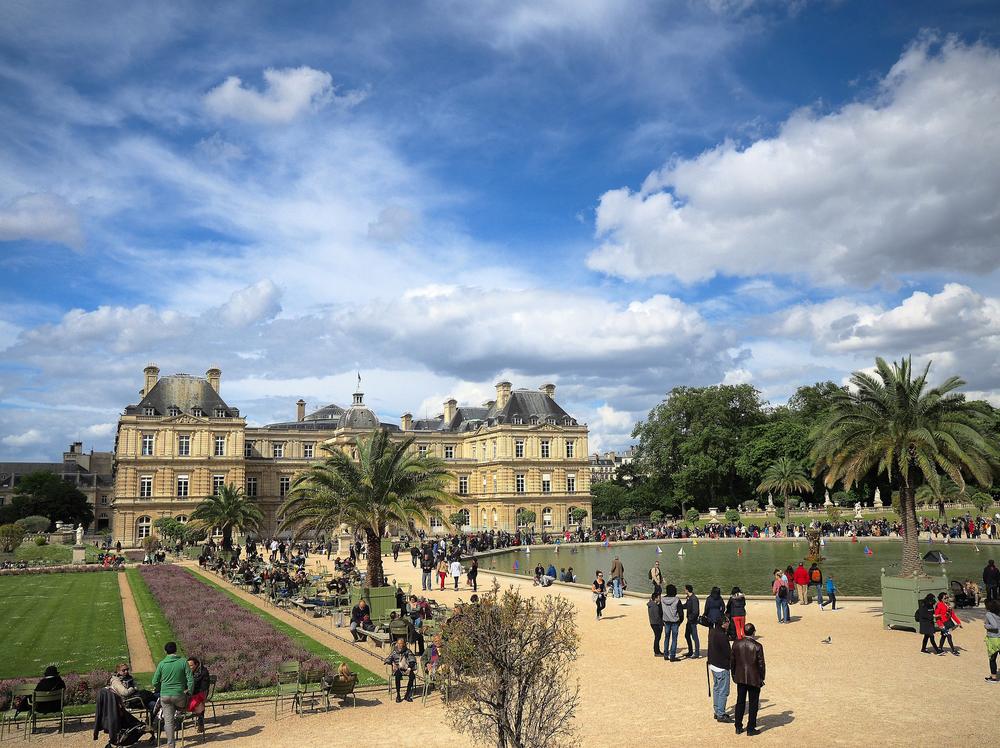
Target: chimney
x,y
213,376
300,410
503,394
152,373
548,389
489,404
449,410
406,421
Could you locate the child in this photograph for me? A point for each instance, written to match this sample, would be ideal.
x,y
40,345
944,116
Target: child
x,y
831,593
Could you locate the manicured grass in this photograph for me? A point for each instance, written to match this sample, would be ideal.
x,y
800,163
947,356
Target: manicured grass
x,y
365,677
53,553
73,621
154,624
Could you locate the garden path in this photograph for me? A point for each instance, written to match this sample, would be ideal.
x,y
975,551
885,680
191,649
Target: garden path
x,y
138,647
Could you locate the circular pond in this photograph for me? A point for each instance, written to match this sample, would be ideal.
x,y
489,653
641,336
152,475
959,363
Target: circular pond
x,y
748,564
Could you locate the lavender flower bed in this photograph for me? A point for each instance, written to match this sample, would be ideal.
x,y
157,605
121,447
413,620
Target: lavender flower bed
x,y
237,646
80,689
78,569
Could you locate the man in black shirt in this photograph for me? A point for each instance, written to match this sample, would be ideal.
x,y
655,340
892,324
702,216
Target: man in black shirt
x,y
719,653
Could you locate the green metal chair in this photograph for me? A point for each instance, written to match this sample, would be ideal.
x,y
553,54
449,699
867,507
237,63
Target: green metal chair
x,y
11,717
289,674
341,689
210,698
47,697
311,687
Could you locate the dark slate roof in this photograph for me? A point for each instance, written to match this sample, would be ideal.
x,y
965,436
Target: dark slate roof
x,y
528,404
185,392
359,417
331,412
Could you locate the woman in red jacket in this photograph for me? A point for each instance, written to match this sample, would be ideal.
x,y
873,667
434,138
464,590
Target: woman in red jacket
x,y
946,620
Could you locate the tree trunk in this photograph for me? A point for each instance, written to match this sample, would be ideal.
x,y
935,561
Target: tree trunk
x,y
912,565
373,541
227,538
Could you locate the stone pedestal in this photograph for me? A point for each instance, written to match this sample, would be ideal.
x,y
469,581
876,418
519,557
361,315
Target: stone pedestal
x,y
79,554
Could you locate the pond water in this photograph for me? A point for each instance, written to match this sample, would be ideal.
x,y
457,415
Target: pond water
x,y
717,562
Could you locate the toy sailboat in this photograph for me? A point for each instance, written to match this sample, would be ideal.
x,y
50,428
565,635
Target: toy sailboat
x,y
822,542
739,551
680,552
694,542
659,550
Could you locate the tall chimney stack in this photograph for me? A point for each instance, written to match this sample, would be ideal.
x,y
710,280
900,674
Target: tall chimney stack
x,y
450,408
406,421
152,373
503,394
300,410
548,389
214,375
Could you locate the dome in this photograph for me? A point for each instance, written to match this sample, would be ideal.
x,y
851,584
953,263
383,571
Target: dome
x,y
359,416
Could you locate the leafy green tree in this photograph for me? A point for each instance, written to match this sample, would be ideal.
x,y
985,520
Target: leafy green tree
x,y
656,516
947,491
390,483
692,515
732,515
34,523
626,513
457,519
46,494
812,403
784,435
526,517
578,514
784,477
750,505
170,528
896,424
608,498
11,536
230,509
982,501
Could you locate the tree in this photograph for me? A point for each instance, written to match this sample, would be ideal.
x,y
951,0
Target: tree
x,y
457,519
656,517
732,515
982,501
692,515
390,483
785,477
34,523
947,491
46,494
626,513
578,514
525,517
509,658
608,498
896,424
230,509
750,505
11,536
170,528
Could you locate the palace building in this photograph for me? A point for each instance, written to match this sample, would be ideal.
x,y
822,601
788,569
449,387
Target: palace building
x,y
182,441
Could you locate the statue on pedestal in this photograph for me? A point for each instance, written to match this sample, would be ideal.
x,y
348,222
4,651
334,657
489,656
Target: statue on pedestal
x,y
857,510
770,500
827,502
878,499
79,535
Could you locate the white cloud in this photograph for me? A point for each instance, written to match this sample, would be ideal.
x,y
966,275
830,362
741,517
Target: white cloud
x,y
903,182
100,430
31,436
41,217
393,224
253,304
287,95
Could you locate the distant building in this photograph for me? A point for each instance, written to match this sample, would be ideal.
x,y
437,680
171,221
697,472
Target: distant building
x,y
604,467
182,441
91,472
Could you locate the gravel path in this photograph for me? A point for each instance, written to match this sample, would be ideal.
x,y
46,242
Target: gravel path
x,y
138,648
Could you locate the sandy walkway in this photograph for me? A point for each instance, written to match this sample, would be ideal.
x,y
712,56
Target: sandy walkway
x,y
866,685
138,647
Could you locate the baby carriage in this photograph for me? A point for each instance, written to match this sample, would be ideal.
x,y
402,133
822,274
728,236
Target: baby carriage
x,y
962,598
112,718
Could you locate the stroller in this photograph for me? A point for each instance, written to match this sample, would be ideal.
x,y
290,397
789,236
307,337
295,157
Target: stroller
x,y
112,718
962,598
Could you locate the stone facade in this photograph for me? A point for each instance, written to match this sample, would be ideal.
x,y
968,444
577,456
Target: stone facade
x,y
520,451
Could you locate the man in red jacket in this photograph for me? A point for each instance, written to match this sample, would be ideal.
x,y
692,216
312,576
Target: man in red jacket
x,y
802,583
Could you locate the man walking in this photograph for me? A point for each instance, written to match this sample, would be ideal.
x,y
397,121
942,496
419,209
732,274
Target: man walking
x,y
991,579
617,577
802,583
719,653
655,620
174,682
747,665
426,569
692,609
656,577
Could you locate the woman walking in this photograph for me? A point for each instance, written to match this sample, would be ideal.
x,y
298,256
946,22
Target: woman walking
x,y
442,570
925,617
780,590
736,609
473,574
946,620
600,590
992,624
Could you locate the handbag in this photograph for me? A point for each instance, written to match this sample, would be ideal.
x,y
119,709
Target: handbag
x,y
704,621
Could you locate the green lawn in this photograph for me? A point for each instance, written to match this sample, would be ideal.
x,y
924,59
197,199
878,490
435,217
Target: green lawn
x,y
53,553
154,624
73,621
365,677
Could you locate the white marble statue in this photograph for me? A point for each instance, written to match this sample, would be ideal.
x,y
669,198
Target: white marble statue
x,y
79,534
770,500
827,501
878,498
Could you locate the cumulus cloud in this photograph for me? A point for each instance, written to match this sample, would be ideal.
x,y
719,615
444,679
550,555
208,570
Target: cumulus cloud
x,y
288,94
29,437
41,217
253,304
901,182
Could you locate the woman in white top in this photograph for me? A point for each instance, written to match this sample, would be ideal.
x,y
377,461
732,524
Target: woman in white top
x,y
456,571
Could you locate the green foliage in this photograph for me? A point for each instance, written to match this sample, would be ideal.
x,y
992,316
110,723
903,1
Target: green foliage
x,y
608,498
841,498
692,515
11,536
150,544
626,513
46,494
41,540
656,516
526,517
732,515
170,528
457,519
578,514
982,501
34,523
792,502
784,477
833,514
751,505
230,510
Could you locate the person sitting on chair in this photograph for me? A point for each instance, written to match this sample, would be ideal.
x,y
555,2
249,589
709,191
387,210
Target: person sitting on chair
x,y
123,684
50,682
199,693
403,663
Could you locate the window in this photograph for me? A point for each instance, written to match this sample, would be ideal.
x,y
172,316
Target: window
x,y
494,449
251,486
533,420
184,445
104,499
148,412
307,450
183,486
283,483
569,449
197,412
570,484
551,421
143,527
220,412
173,410
569,514
103,523
218,481
545,447
475,451
278,449
494,482
436,522
547,517
485,524
519,447
463,485
546,483
449,452
147,445
248,449
518,420
494,517
519,518
145,486
466,517
422,450
220,446
182,518
519,483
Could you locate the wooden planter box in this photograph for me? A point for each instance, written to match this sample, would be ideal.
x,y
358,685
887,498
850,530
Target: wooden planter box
x,y
901,597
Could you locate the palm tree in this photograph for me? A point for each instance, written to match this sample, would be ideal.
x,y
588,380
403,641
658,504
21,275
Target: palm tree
x,y
387,485
948,490
894,423
785,476
230,509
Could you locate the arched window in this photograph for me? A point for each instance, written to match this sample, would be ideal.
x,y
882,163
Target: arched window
x,y
143,527
494,517
519,518
485,521
569,515
436,522
547,517
466,517
182,518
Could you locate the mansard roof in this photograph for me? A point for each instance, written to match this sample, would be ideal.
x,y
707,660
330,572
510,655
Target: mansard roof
x,y
185,392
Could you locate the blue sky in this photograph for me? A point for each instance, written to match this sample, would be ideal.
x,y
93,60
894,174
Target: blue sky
x,y
617,197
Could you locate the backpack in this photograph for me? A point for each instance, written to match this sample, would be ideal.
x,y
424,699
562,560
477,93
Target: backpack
x,y
816,576
782,592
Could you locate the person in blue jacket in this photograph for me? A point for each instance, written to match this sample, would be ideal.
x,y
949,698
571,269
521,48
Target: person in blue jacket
x,y
831,593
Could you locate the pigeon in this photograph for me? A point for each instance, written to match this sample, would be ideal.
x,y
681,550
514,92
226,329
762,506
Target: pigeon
x,y
827,640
